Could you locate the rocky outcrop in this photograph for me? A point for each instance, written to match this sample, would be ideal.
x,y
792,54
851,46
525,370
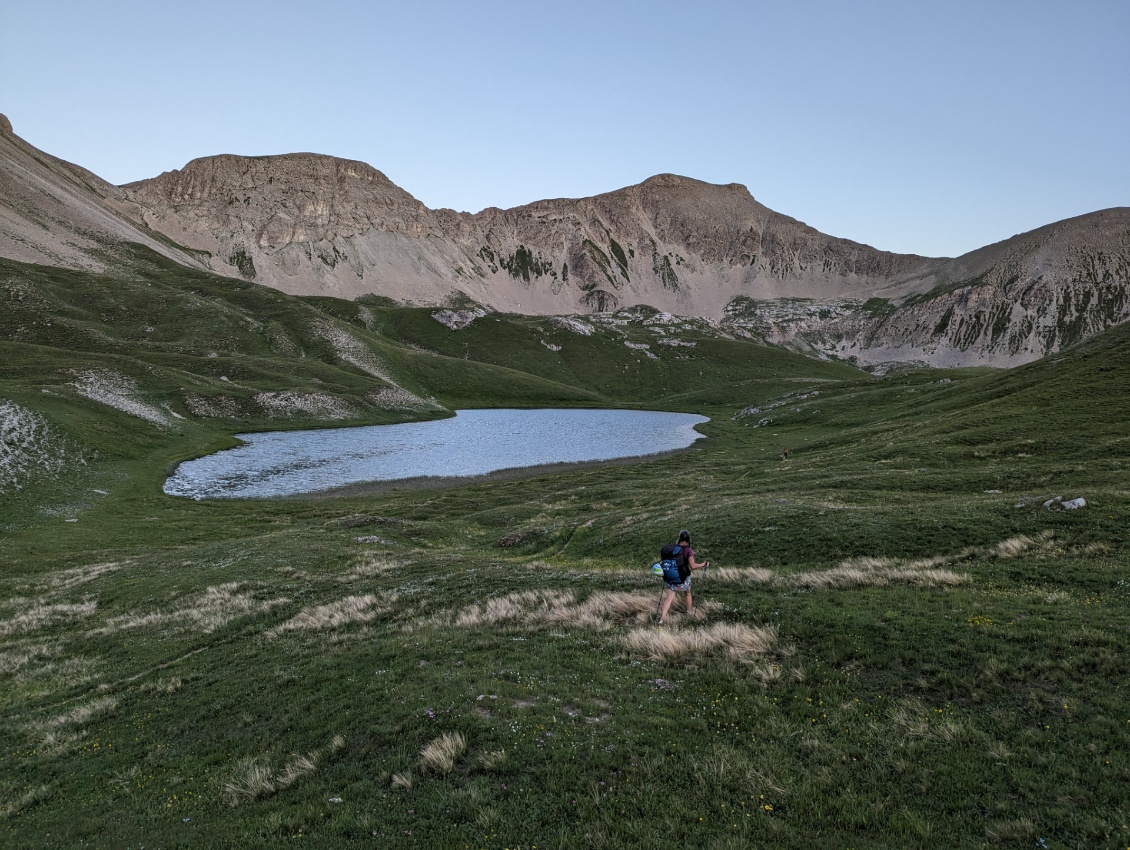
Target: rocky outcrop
x,y
303,223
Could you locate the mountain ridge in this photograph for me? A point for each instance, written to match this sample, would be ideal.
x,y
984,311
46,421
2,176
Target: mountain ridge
x,y
313,224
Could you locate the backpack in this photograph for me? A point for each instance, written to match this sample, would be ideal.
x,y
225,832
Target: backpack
x,y
673,561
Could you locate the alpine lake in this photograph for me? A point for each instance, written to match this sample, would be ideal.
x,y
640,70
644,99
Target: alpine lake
x,y
472,443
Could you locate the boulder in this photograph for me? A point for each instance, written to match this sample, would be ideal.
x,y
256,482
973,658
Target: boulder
x,y
1057,503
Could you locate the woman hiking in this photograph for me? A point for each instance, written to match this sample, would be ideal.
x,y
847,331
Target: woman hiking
x,y
672,587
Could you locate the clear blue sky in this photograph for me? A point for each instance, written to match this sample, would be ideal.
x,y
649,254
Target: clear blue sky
x,y
925,127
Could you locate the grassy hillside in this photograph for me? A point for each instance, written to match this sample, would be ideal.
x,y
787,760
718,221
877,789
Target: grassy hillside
x,y
897,644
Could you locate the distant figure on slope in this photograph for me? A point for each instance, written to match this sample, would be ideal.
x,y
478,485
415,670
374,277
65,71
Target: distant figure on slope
x,y
684,554
785,453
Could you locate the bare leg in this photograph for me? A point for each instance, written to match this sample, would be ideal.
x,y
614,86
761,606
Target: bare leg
x,y
690,604
667,600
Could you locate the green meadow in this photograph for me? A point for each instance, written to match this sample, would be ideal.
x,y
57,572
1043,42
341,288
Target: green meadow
x,y
897,644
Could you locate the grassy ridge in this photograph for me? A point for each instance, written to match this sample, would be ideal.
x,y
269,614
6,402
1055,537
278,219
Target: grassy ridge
x,y
897,646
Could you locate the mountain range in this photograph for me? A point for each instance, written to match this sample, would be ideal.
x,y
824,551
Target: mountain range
x,y
309,224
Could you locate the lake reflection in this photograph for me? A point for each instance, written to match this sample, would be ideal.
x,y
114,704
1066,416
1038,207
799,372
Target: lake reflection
x,y
474,442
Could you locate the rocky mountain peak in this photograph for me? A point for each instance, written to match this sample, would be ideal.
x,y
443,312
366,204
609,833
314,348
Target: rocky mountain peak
x,y
5,125
274,201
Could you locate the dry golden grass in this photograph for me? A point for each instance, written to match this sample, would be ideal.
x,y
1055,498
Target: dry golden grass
x,y
767,673
866,571
878,572
11,660
914,722
1020,832
535,609
441,754
334,615
402,780
69,579
205,612
1013,546
733,640
163,686
42,615
493,759
62,729
42,677
855,572
368,566
736,575
602,610
514,606
254,777
82,714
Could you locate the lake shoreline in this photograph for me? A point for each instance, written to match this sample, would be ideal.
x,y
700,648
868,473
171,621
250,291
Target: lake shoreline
x,y
479,445
439,482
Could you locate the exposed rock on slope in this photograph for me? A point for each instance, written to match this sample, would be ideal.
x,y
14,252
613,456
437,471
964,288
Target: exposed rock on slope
x,y
1006,304
678,244
303,223
310,224
58,214
29,447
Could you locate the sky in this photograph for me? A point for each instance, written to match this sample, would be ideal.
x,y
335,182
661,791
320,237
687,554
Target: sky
x,y
914,126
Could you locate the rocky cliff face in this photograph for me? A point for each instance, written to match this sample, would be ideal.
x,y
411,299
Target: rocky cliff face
x,y
316,225
678,244
303,223
312,224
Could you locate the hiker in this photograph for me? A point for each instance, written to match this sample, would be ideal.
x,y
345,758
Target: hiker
x,y
671,587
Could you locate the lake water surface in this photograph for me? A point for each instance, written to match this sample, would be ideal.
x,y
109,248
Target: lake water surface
x,y
474,442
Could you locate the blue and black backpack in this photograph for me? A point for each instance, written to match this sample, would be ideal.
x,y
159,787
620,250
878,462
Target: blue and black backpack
x,y
673,563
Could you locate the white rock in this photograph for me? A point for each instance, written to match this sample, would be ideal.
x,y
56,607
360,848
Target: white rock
x,y
458,319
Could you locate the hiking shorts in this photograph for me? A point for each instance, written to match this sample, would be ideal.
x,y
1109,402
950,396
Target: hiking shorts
x,y
683,585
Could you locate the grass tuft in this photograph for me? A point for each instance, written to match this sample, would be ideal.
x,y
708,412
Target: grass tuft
x,y
493,759
205,612
254,777
441,754
402,780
